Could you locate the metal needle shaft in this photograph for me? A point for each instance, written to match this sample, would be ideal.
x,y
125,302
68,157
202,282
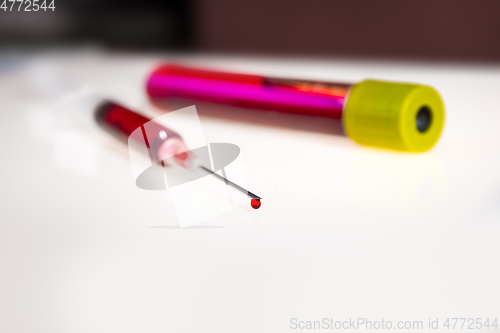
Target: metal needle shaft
x,y
228,182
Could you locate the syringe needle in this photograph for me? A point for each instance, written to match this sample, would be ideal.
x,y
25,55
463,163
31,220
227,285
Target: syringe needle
x,y
168,143
255,198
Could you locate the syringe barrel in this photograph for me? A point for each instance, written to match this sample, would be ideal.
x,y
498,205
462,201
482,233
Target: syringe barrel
x,y
251,91
127,124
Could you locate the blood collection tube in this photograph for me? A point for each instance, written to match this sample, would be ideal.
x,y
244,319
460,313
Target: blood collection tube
x,y
161,141
400,116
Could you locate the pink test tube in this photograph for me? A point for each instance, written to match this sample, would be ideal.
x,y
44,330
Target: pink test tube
x,y
251,91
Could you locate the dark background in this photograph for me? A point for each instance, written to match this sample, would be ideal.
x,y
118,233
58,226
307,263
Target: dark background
x,y
425,29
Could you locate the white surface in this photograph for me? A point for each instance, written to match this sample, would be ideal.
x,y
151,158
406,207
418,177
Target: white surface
x,y
344,231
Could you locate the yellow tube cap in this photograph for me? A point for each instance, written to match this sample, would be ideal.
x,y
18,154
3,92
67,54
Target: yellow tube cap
x,y
401,116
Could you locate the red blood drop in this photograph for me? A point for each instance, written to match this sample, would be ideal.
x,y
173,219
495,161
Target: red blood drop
x,y
255,203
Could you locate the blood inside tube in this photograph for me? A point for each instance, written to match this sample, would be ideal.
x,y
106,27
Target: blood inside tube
x,y
119,119
293,96
123,123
